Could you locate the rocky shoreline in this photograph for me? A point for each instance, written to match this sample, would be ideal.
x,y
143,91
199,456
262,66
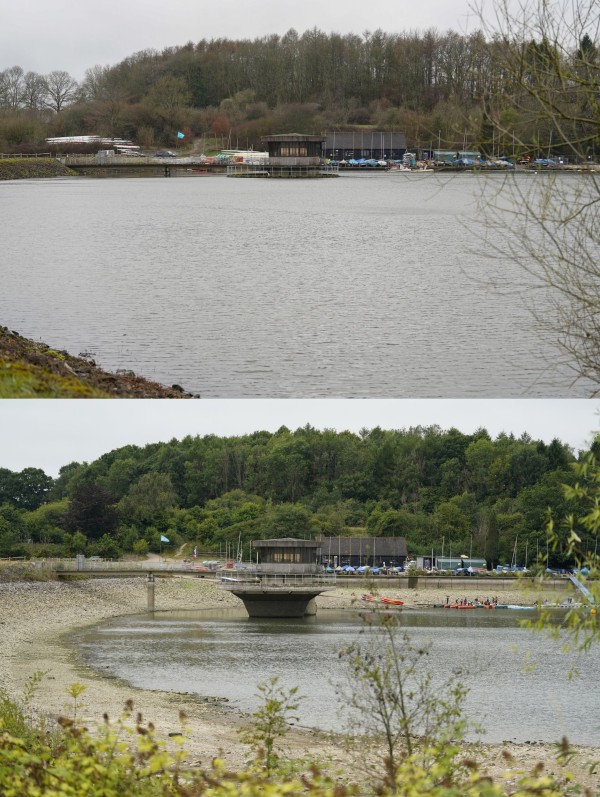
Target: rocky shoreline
x,y
35,370
37,619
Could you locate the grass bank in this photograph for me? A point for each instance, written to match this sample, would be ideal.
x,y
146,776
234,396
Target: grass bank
x,y
29,369
28,168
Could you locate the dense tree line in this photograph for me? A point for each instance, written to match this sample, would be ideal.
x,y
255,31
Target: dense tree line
x,y
438,88
428,485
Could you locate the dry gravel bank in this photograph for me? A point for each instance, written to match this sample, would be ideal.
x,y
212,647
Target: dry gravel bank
x,y
35,619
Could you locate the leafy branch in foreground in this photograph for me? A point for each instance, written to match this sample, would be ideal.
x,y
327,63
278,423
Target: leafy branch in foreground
x,y
392,691
271,722
123,758
18,718
127,758
580,628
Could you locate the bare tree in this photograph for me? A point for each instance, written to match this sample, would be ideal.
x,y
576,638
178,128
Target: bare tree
x,y
11,87
94,83
61,89
33,95
547,54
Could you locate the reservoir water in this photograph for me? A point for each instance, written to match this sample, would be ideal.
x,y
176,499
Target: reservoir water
x,y
519,681
377,285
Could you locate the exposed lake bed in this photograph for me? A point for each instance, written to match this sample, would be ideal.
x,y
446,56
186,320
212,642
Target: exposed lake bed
x,y
37,623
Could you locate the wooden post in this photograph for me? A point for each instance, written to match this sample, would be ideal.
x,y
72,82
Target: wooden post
x,y
150,583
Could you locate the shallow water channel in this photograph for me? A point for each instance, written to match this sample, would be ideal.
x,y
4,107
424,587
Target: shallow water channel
x,y
519,682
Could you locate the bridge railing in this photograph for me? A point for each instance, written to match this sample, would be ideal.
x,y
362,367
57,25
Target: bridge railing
x,y
129,160
229,579
106,565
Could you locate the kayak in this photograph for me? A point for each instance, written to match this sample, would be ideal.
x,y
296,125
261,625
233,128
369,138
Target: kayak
x,y
386,601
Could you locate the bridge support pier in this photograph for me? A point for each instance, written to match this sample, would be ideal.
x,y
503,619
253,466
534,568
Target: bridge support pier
x,y
150,584
277,602
311,607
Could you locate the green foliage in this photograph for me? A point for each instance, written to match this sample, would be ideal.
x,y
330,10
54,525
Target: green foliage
x,y
424,484
270,722
15,715
18,378
91,510
390,687
574,539
126,757
75,691
26,490
148,498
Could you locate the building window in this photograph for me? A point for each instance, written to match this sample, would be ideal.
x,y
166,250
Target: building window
x,y
293,151
286,556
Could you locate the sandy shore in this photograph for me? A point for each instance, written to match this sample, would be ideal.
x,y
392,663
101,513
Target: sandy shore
x,y
36,618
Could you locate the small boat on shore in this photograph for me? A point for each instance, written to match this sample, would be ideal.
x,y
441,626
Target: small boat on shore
x,y
386,601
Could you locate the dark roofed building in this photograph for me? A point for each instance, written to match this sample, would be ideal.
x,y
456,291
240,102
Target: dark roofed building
x,y
359,551
288,554
290,155
294,149
365,144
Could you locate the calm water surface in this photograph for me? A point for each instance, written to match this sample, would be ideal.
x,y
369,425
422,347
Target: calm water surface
x,y
364,286
225,654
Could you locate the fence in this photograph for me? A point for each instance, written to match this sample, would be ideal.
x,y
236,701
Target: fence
x,y
20,155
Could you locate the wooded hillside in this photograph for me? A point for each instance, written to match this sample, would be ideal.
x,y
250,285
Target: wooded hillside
x,y
440,89
425,484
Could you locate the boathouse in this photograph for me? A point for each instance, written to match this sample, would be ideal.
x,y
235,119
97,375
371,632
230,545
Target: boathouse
x,y
364,551
290,155
378,145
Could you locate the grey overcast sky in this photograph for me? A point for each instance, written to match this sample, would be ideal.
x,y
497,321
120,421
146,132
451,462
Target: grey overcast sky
x,y
73,35
48,434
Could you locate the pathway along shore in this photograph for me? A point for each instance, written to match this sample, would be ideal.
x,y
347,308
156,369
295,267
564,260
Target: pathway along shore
x,y
36,620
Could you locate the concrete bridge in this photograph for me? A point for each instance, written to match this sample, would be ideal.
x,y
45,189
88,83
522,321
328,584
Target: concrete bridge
x,y
98,568
130,166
